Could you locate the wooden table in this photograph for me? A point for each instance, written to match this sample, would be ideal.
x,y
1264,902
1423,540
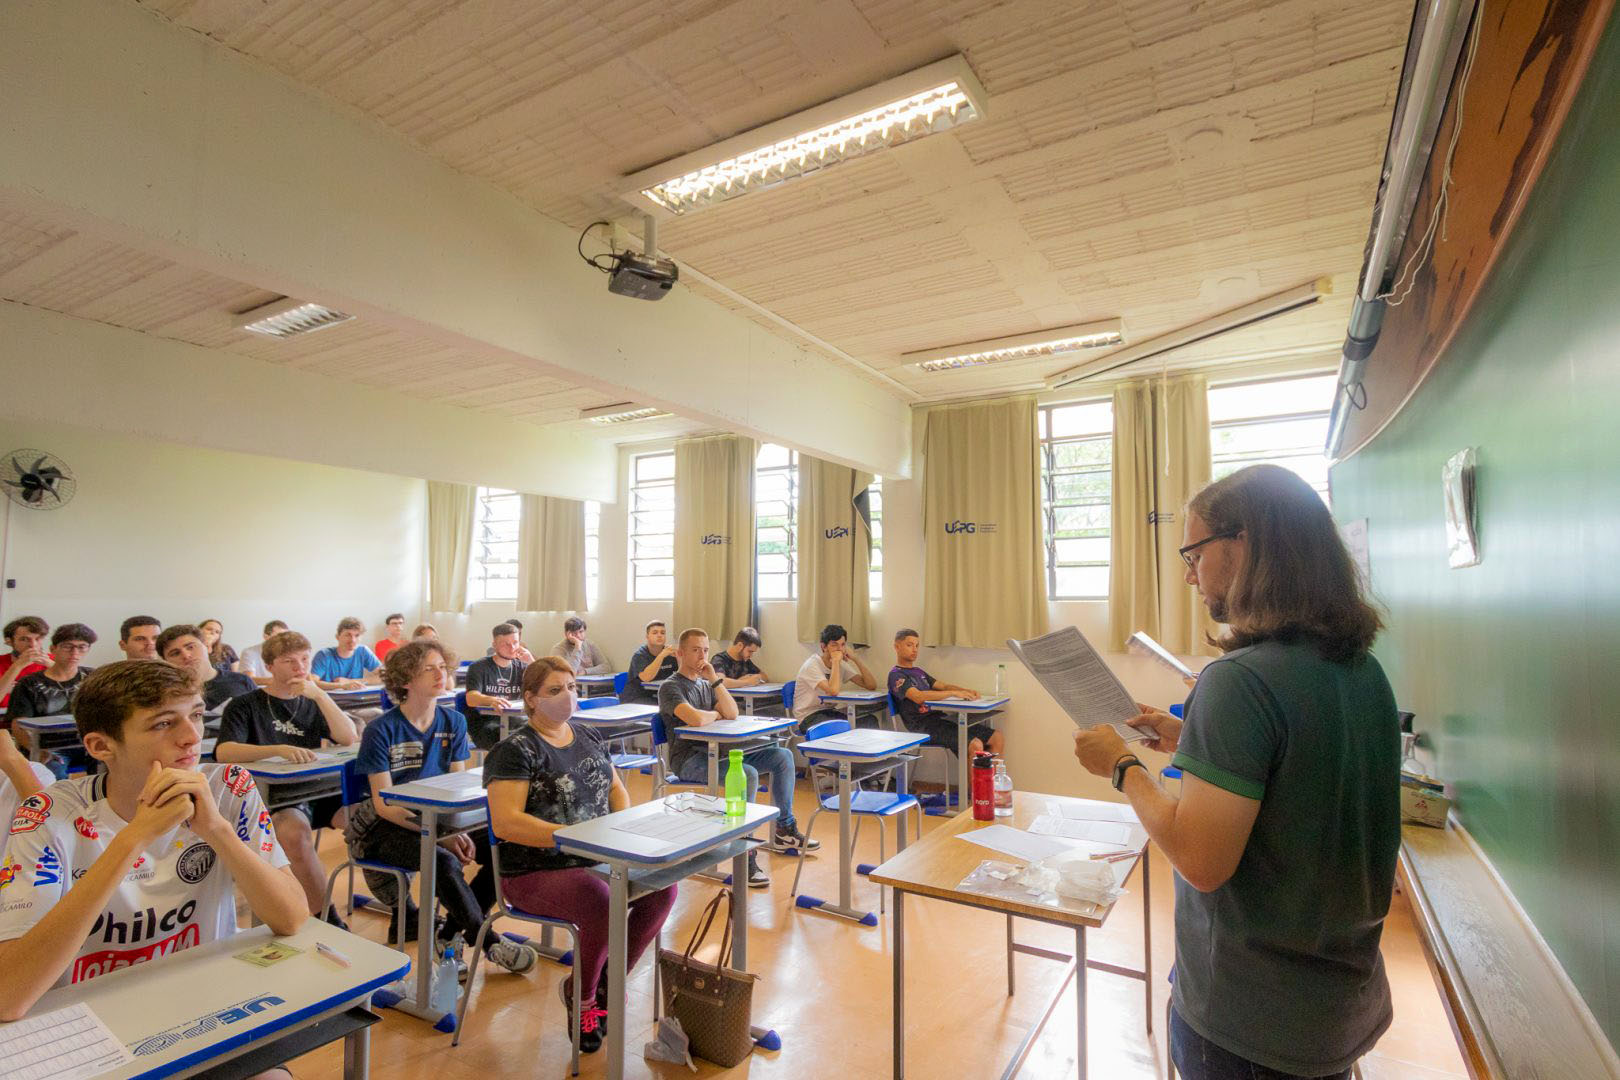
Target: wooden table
x,y
935,866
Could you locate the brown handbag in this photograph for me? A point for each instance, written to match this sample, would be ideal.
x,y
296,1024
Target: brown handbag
x,y
714,1003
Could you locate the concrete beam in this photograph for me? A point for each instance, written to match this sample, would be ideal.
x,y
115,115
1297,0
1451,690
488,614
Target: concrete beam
x,y
123,124
73,371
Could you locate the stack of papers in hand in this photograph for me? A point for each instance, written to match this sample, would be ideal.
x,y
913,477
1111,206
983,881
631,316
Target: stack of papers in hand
x,y
1079,680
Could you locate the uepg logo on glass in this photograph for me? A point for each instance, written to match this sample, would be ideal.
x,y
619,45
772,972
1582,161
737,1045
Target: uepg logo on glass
x,y
954,528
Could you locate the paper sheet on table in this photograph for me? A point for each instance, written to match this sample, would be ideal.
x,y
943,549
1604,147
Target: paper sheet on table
x,y
849,740
1096,812
675,828
64,1044
1112,834
1011,841
1080,681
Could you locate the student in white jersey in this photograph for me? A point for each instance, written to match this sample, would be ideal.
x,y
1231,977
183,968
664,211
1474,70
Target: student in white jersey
x,y
145,859
19,777
290,717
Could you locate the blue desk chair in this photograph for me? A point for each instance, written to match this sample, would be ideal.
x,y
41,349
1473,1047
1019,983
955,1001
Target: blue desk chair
x,y
356,788
620,681
504,909
663,776
862,804
623,758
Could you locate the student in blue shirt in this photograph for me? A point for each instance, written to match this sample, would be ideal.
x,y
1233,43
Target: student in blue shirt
x,y
348,661
416,740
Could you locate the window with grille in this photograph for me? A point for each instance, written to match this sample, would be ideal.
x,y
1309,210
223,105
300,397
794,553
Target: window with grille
x,y
652,526
494,569
1276,421
1077,452
776,513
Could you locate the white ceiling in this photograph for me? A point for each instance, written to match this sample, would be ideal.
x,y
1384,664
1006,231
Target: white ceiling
x,y
1152,160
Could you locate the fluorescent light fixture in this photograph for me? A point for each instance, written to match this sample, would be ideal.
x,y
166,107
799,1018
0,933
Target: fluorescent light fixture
x,y
287,318
1247,315
938,97
1054,342
622,413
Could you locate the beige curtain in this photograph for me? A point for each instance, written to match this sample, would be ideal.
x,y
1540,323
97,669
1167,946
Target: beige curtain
x,y
982,557
835,550
551,554
1161,459
714,534
449,548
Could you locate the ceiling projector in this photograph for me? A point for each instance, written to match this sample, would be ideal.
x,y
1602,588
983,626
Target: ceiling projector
x,y
641,277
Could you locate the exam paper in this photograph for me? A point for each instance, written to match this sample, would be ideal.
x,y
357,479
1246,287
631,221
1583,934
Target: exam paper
x,y
1115,836
1011,841
674,828
64,1044
1091,811
1078,679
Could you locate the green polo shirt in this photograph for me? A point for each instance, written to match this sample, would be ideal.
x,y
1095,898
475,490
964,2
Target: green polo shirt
x,y
1281,964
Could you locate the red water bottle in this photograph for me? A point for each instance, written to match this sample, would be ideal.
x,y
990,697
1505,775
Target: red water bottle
x,y
984,788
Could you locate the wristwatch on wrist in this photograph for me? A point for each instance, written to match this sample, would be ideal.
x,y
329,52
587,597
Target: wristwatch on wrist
x,y
1122,766
717,683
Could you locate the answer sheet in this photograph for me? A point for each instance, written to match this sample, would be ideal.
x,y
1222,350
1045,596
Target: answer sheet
x,y
1017,842
1114,834
64,1044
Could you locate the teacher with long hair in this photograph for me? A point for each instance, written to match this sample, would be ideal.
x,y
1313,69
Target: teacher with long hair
x,y
1285,832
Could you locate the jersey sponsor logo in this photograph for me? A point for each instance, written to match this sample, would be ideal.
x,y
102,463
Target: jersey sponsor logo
x,y
144,924
31,814
47,868
8,872
195,863
90,965
244,828
239,780
86,828
202,1025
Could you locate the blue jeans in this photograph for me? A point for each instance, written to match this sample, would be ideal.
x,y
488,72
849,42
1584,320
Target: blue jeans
x,y
776,760
1197,1058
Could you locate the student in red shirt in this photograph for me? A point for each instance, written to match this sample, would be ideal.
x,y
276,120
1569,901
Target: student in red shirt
x,y
395,638
26,636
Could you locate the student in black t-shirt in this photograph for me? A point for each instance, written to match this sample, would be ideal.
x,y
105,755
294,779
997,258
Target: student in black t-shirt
x,y
911,689
290,717
653,661
492,682
51,692
735,663
185,647
543,777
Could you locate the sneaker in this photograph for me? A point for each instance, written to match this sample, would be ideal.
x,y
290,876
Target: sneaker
x,y
518,959
757,878
590,1022
410,925
792,840
335,919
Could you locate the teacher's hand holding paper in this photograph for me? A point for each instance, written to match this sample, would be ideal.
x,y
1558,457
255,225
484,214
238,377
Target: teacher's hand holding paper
x,y
1163,728
1098,749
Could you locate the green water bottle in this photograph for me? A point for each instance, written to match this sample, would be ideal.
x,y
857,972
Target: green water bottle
x,y
736,785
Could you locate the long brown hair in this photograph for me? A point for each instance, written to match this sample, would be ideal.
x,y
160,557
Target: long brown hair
x,y
1297,580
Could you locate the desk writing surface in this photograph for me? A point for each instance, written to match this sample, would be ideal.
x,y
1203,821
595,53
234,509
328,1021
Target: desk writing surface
x,y
618,714
187,1008
936,864
984,704
744,727
58,722
861,743
858,696
767,689
455,789
327,759
601,837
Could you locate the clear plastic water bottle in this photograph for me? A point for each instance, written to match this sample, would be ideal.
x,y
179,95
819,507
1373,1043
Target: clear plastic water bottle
x,y
1001,679
1004,788
736,785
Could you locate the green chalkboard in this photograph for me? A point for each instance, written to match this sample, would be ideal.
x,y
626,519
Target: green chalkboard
x,y
1513,666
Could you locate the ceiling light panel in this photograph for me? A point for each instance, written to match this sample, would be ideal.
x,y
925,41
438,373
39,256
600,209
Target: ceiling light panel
x,y
1042,343
931,99
287,318
622,413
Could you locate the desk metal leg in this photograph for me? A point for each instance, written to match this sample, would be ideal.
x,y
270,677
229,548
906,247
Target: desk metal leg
x,y
714,767
618,946
765,1038
1147,942
1080,999
357,1054
846,856
962,783
1010,972
899,1035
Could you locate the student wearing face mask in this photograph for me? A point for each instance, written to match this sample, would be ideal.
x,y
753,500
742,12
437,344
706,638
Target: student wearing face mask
x,y
544,777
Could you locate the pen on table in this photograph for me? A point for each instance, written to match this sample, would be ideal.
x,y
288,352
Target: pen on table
x,y
332,954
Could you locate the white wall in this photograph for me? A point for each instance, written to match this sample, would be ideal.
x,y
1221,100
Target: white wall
x,y
1039,737
186,534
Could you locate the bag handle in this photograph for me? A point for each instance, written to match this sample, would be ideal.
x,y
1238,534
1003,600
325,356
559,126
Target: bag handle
x,y
700,932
